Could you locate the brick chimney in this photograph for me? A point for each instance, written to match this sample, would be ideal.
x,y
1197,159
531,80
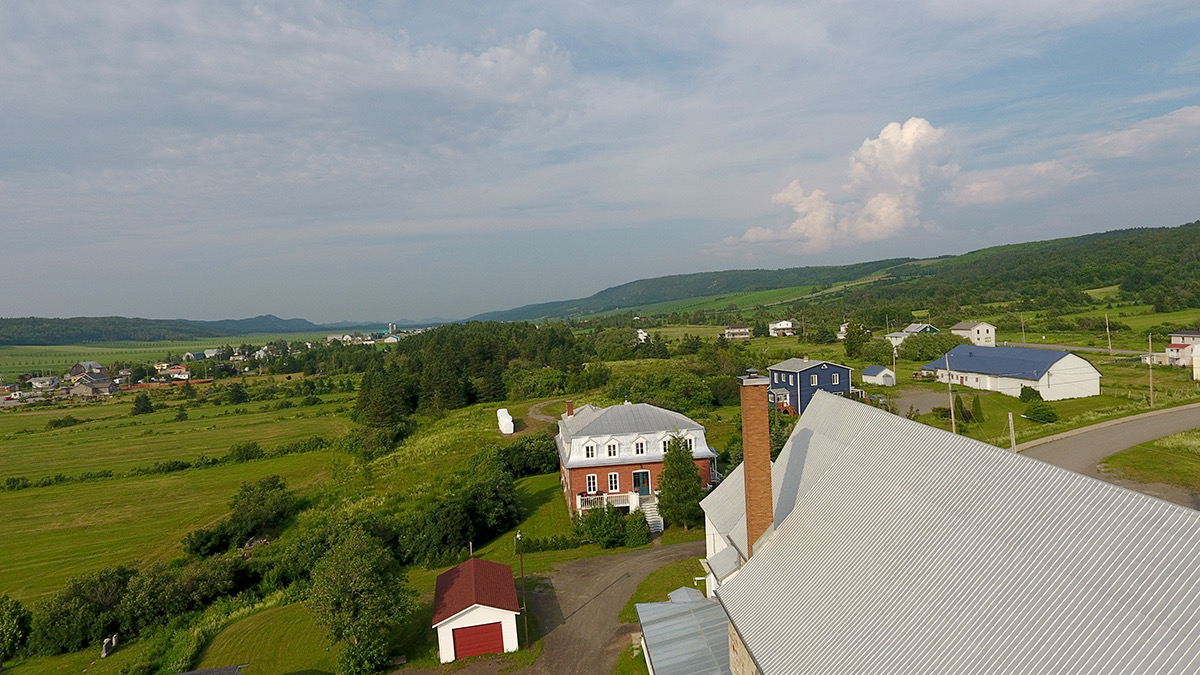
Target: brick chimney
x,y
570,408
756,457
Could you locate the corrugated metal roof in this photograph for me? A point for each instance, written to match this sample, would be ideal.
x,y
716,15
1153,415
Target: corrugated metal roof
x,y
798,365
1025,364
630,418
912,550
688,635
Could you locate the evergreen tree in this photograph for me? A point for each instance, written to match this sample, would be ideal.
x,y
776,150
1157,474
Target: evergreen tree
x,y
960,410
680,486
142,404
976,409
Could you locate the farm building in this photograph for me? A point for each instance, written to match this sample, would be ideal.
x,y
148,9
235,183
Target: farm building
x,y
794,381
897,338
881,375
1055,375
475,610
737,333
877,545
781,328
979,333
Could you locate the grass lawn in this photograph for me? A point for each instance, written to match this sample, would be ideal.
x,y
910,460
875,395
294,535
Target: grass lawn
x,y
631,662
277,641
1174,460
53,533
661,582
88,661
110,439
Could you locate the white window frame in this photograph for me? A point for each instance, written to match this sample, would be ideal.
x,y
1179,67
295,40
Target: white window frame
x,y
791,379
666,442
812,379
639,447
614,482
589,451
591,483
612,449
834,379
690,443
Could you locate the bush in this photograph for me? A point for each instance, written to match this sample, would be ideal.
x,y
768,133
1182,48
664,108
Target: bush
x,y
559,542
14,483
244,452
1040,411
14,627
203,542
181,414
82,613
1029,394
637,529
605,526
530,456
65,421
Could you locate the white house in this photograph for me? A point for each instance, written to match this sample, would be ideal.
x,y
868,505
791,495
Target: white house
x,y
897,338
642,335
475,610
979,333
781,328
1055,375
887,547
737,332
614,455
881,375
1179,351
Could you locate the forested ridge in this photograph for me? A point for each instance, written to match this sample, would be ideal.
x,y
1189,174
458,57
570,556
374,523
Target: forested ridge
x,y
43,331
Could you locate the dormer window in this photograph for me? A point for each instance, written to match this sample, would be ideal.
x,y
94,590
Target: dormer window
x,y
589,451
612,449
639,448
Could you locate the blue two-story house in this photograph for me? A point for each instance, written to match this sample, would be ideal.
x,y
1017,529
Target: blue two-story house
x,y
794,381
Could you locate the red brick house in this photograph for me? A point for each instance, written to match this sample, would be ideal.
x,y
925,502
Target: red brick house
x,y
614,455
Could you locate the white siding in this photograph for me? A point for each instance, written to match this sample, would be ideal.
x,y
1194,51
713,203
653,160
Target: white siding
x,y
476,616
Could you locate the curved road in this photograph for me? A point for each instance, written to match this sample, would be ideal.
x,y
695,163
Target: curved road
x,y
1082,449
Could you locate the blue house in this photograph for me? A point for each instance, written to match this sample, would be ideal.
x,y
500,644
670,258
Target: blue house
x,y
794,381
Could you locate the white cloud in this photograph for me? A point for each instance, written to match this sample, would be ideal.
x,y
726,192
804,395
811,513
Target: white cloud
x,y
888,179
1177,132
1014,183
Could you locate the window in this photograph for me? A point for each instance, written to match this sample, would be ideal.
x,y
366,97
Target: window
x,y
834,380
591,482
612,449
666,442
791,379
589,451
639,448
614,482
812,380
688,441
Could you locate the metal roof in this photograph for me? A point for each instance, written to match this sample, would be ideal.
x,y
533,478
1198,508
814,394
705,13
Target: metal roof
x,y
1024,364
798,365
968,325
474,582
875,370
913,550
687,635
630,418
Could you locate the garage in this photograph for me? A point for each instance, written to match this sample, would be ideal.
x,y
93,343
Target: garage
x,y
487,638
475,610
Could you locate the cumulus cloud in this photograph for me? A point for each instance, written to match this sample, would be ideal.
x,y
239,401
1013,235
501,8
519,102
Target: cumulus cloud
x,y
888,179
1013,183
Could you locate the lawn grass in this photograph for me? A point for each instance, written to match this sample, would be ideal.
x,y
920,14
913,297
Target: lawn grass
x,y
53,533
1174,460
662,581
110,439
631,662
85,661
276,641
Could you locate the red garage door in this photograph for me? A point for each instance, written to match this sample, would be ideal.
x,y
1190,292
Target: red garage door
x,y
475,640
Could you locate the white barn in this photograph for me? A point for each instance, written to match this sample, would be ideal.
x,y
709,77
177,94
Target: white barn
x,y
881,375
980,333
1055,375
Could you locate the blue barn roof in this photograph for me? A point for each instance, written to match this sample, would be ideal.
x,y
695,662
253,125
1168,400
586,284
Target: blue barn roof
x,y
1024,364
871,371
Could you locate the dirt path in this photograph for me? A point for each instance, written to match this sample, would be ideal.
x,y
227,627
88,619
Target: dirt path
x,y
579,611
536,411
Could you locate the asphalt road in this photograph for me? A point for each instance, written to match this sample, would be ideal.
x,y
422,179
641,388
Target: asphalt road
x,y
1069,348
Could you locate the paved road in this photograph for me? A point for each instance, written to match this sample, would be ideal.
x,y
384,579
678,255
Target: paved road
x,y
1082,449
580,610
1070,348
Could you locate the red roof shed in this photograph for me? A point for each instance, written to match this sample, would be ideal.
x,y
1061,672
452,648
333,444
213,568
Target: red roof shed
x,y
475,582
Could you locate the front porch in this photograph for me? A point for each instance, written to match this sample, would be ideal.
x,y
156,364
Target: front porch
x,y
631,500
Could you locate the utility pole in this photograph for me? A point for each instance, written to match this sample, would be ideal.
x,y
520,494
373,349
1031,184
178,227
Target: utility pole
x,y
1012,433
950,393
1150,363
1106,332
524,601
1022,327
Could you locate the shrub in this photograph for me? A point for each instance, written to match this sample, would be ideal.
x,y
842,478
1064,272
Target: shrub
x,y
13,483
310,400
1029,394
83,612
558,542
604,526
14,627
65,421
181,414
637,529
976,409
530,455
244,452
1040,411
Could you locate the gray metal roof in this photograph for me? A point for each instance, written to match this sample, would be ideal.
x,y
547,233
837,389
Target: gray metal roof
x,y
688,635
630,418
798,365
1024,364
875,370
911,550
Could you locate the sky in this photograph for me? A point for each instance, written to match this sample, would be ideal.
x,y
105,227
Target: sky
x,y
362,161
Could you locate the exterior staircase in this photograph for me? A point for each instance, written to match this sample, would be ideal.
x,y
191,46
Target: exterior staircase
x,y
650,508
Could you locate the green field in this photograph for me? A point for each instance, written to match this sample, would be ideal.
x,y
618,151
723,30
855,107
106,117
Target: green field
x,y
661,582
1174,460
750,300
274,642
57,359
110,439
53,533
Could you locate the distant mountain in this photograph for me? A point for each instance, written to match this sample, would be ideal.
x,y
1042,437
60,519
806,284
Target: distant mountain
x,y
683,286
76,330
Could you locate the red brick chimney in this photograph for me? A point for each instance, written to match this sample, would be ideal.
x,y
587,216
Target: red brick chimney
x,y
756,457
570,408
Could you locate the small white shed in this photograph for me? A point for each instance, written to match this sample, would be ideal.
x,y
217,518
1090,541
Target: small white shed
x,y
475,610
881,375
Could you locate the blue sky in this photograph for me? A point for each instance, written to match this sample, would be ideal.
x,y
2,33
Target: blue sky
x,y
361,161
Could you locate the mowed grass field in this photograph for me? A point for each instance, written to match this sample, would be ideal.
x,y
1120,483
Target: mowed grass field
x,y
277,641
111,439
53,533
57,359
